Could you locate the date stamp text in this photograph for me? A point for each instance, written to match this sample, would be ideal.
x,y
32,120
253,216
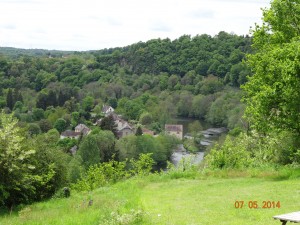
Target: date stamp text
x,y
257,204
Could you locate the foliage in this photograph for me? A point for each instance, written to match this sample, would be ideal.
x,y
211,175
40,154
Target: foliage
x,y
49,159
230,155
161,147
99,175
17,179
139,131
66,144
63,193
34,129
108,123
149,81
143,165
254,150
191,145
45,125
273,91
96,148
60,125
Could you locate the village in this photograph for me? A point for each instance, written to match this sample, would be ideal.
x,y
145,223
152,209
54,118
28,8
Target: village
x,y
123,128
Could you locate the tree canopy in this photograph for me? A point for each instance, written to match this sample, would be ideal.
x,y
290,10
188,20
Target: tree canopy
x,y
273,92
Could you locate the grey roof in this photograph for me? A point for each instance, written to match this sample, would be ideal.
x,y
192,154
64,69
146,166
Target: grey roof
x,y
70,133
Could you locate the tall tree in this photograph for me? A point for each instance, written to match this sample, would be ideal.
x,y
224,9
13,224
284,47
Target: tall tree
x,y
96,148
17,96
273,92
9,99
17,180
52,99
108,123
60,125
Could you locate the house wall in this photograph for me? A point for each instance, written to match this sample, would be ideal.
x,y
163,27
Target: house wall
x,y
125,132
176,134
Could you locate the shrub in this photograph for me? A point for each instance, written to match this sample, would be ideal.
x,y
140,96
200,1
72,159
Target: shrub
x,y
99,175
254,150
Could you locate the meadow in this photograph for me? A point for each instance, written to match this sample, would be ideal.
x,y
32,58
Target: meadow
x,y
189,197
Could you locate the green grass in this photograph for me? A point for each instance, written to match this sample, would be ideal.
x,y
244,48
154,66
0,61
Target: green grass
x,y
162,200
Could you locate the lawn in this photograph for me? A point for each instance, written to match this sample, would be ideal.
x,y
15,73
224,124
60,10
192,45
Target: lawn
x,y
212,201
160,200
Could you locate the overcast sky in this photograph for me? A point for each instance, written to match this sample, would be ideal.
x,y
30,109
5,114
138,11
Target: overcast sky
x,y
98,24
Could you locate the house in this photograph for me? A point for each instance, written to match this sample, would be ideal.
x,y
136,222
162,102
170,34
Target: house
x,y
146,131
107,109
174,129
123,128
70,134
82,128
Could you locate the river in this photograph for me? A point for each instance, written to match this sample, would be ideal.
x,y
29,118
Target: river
x,y
210,135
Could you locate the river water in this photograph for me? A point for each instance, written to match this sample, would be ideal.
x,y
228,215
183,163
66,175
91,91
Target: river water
x,y
180,153
210,135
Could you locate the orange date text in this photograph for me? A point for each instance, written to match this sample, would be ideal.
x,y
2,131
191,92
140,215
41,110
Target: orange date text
x,y
257,204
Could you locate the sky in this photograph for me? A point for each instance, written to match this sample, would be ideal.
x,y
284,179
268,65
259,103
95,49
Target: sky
x,y
97,24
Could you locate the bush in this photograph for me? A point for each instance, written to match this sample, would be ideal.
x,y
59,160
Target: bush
x,y
254,150
63,193
113,171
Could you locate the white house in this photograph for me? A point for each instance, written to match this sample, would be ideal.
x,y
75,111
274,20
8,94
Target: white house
x,y
106,109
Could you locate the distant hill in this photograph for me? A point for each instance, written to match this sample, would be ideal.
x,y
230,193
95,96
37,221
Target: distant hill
x,y
17,52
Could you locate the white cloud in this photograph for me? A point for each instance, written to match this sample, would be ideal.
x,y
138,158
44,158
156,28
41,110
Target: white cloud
x,y
97,24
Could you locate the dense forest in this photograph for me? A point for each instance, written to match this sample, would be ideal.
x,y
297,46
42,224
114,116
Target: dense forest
x,y
192,77
46,95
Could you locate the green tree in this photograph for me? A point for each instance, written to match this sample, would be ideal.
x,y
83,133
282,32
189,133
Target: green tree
x,y
49,159
60,125
41,101
273,92
195,127
17,96
34,129
38,114
17,179
51,98
108,123
9,99
45,125
88,103
146,118
139,131
18,105
96,148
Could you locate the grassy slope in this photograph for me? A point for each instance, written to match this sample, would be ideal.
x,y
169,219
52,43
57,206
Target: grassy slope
x,y
206,200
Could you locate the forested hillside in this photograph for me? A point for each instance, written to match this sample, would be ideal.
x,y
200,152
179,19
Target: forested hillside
x,y
17,52
183,77
50,94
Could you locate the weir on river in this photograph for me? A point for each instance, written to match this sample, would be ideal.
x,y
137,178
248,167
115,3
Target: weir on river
x,y
210,135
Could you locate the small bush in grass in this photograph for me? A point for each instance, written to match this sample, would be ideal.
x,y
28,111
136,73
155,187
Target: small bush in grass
x,y
133,217
113,171
62,193
185,169
143,165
